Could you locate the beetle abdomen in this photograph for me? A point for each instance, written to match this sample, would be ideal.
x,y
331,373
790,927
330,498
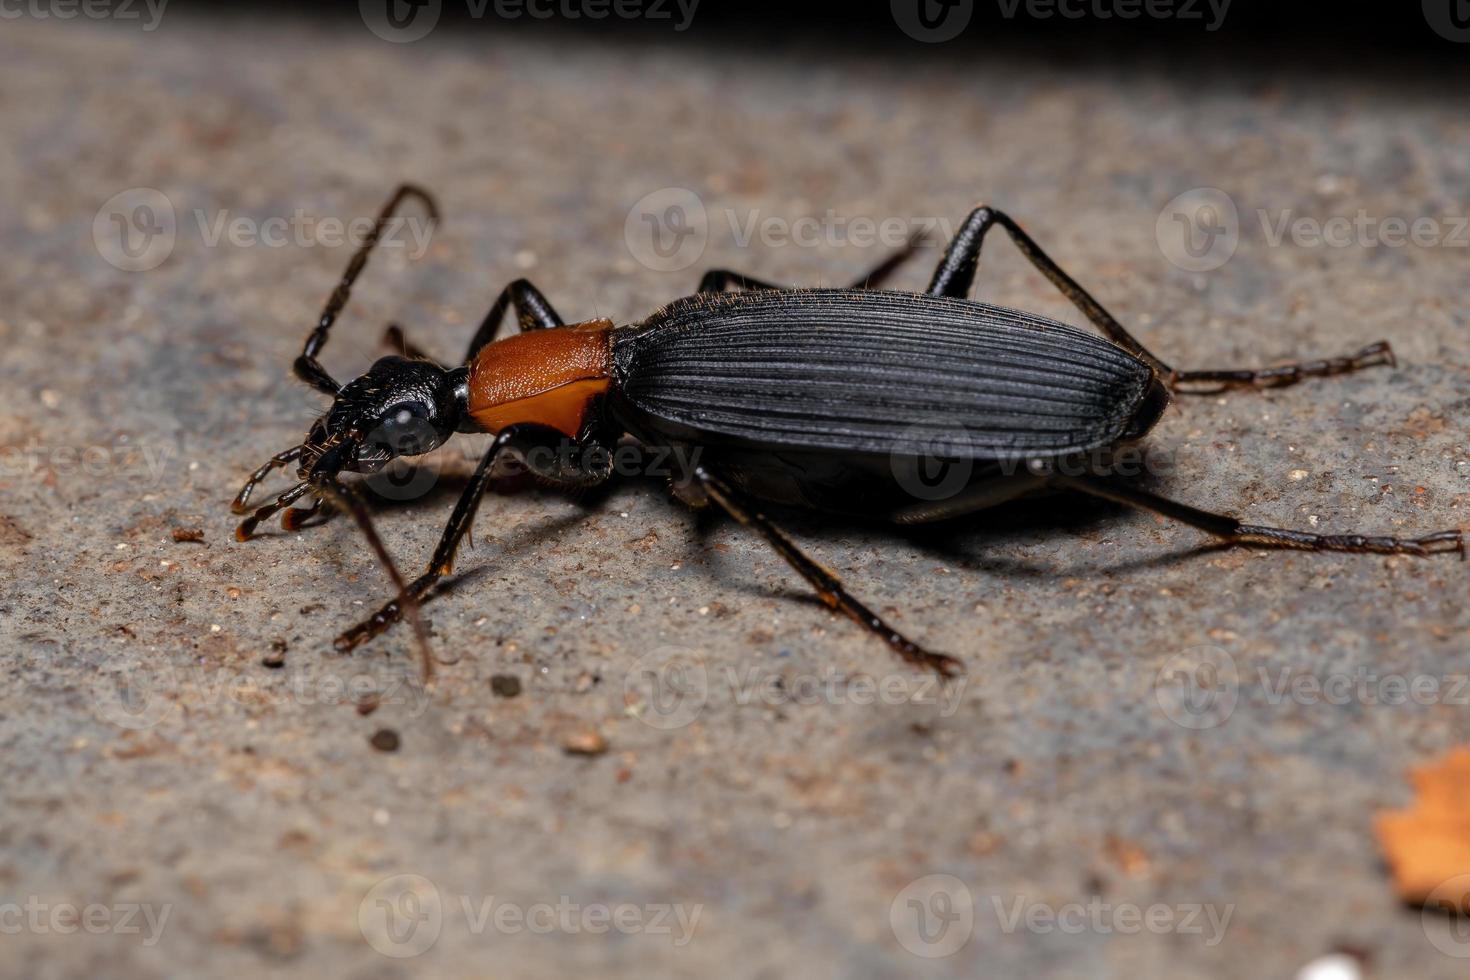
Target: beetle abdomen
x,y
881,372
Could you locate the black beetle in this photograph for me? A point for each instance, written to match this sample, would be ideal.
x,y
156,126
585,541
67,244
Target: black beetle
x,y
842,400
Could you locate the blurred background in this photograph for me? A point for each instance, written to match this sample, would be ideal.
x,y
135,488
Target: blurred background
x,y
653,752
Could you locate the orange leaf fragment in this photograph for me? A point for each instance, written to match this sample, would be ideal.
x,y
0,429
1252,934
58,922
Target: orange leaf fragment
x,y
1428,844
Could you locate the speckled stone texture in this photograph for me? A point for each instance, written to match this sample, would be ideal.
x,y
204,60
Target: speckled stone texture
x,y
152,756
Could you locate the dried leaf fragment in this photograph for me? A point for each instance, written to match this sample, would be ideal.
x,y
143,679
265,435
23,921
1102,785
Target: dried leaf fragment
x,y
1428,844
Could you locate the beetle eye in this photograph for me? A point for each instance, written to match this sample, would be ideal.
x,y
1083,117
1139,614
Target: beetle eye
x,y
404,413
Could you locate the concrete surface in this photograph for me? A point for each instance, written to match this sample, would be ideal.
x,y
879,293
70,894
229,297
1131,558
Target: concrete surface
x,y
153,761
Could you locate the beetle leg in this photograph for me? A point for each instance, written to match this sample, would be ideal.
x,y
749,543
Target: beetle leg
x,y
247,527
1282,375
1232,531
242,499
879,274
955,274
533,312
822,579
395,338
307,367
718,280
530,445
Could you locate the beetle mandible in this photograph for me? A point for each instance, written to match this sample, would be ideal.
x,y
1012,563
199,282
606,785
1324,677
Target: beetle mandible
x,y
829,399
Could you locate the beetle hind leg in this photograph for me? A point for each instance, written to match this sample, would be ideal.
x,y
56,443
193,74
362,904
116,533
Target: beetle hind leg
x,y
955,275
1232,531
1281,375
822,579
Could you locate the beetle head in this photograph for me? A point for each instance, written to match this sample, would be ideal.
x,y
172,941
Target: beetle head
x,y
400,407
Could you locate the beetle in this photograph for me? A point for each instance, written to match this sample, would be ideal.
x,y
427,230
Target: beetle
x,y
838,400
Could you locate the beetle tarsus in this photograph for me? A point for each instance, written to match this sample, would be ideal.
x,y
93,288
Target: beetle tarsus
x,y
1283,375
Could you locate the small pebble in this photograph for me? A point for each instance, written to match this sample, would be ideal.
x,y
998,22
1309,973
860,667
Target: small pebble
x,y
276,659
589,742
505,685
385,740
183,534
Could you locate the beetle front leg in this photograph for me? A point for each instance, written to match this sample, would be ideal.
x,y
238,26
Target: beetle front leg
x,y
1233,531
536,447
822,579
533,312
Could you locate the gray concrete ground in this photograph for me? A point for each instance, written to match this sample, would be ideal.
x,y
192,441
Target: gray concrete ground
x,y
757,810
